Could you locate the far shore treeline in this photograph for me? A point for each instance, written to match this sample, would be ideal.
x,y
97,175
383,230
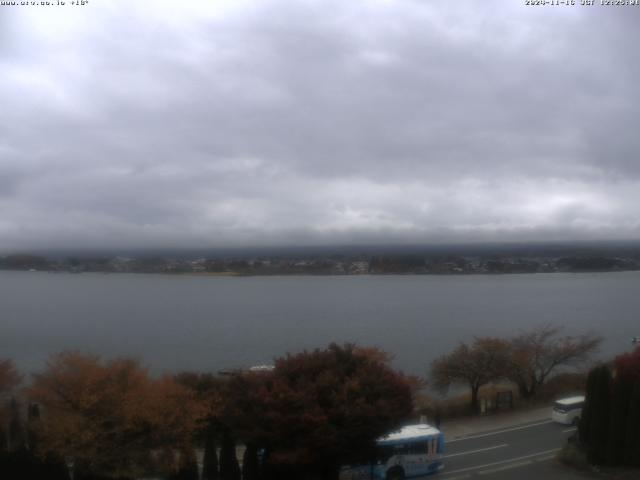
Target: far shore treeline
x,y
485,259
301,418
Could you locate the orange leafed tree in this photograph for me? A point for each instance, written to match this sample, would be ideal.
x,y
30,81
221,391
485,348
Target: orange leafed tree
x,y
107,416
10,378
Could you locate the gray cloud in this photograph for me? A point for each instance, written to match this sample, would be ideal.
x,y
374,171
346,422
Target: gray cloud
x,y
269,122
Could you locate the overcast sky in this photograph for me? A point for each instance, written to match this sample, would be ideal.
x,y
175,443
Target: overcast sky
x,y
236,122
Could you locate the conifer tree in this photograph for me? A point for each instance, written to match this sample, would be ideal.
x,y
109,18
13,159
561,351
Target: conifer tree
x,y
627,434
167,463
632,433
620,397
229,468
250,466
584,427
210,459
599,416
188,464
55,468
33,419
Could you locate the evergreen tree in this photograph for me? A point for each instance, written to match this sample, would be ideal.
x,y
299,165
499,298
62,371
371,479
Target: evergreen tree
x,y
210,459
188,464
627,398
55,468
229,468
620,397
167,463
632,433
584,427
250,465
33,418
599,416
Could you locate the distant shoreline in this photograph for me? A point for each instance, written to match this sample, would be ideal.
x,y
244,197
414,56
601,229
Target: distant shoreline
x,y
342,265
308,274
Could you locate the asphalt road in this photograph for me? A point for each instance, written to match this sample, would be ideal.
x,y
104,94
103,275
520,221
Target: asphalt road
x,y
525,452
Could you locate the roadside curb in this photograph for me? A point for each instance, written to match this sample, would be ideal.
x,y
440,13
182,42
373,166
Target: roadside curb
x,y
472,426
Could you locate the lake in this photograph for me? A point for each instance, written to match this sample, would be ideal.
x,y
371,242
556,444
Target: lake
x,y
208,323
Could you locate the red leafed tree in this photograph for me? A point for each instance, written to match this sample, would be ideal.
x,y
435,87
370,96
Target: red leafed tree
x,y
318,409
628,365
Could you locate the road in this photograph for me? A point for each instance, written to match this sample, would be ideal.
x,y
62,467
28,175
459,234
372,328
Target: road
x,y
525,452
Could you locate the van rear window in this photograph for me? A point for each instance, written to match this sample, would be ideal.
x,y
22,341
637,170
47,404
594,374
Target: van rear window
x,y
563,407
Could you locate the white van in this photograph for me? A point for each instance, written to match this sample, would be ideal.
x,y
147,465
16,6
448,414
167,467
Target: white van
x,y
568,410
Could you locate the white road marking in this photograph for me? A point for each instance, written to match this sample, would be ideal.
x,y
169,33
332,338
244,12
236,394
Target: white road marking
x,y
501,462
500,431
545,459
506,467
476,451
570,430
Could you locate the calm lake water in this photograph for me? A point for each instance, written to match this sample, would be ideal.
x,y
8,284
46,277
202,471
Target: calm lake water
x,y
208,323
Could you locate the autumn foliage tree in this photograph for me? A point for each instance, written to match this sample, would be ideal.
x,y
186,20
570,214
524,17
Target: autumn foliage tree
x,y
528,360
627,365
107,415
10,378
318,409
473,365
538,353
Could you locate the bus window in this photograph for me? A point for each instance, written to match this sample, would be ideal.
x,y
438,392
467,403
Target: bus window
x,y
418,448
401,449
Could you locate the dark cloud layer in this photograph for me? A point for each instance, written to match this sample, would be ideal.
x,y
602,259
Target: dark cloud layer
x,y
244,122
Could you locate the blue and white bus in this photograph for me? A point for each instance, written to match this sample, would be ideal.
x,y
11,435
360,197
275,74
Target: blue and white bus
x,y
412,451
